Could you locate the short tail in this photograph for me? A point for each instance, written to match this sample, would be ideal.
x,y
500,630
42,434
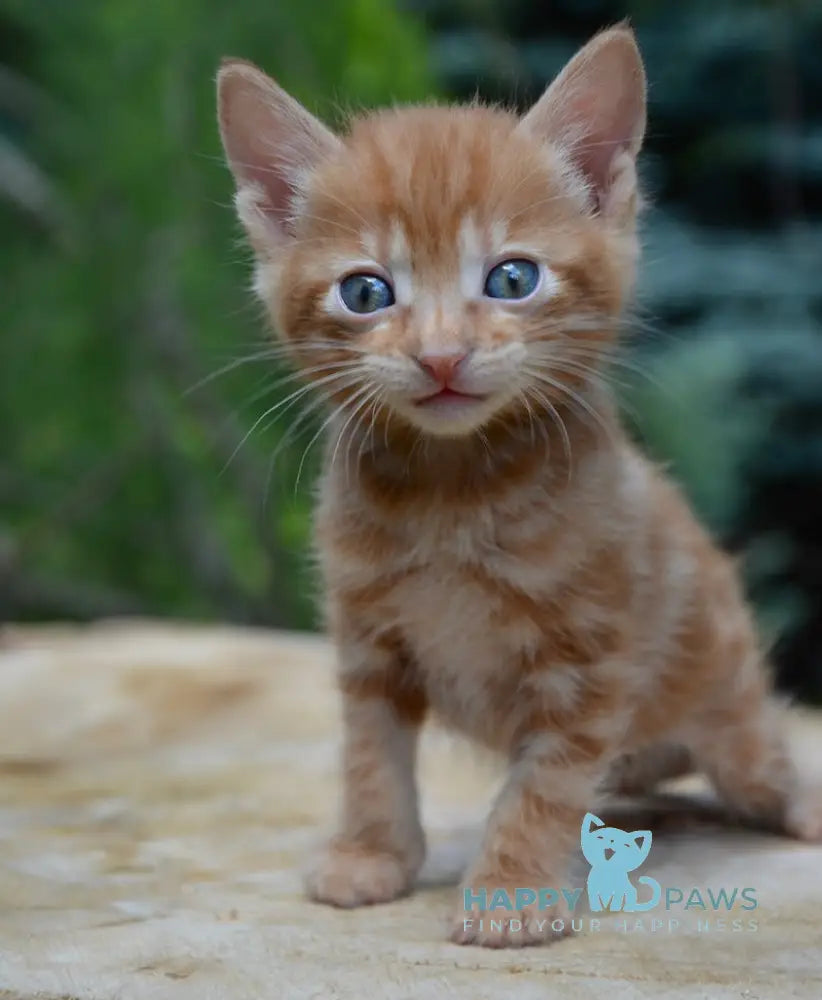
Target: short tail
x,y
656,893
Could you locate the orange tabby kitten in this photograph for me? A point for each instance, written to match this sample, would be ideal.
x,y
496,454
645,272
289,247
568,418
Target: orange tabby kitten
x,y
494,549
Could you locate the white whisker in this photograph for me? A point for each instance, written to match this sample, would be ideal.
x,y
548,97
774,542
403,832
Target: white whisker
x,y
556,417
287,402
575,398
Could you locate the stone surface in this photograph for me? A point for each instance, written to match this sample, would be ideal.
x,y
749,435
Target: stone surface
x,y
162,785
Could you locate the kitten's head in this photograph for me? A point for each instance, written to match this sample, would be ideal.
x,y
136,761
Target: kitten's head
x,y
603,845
445,265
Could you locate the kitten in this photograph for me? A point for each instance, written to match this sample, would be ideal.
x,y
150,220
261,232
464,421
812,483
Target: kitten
x,y
495,550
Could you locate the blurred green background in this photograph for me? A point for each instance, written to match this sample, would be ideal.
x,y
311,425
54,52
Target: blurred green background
x,y
127,332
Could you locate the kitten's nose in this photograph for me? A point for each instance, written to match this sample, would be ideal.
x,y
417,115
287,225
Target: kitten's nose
x,y
442,367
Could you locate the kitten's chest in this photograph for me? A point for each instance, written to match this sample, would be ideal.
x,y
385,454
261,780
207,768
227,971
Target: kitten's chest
x,y
463,648
441,597
444,585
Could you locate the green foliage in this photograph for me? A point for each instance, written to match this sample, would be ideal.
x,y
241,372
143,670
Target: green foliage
x,y
124,283
112,492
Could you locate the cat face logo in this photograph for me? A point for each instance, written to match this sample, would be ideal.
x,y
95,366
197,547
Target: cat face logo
x,y
612,853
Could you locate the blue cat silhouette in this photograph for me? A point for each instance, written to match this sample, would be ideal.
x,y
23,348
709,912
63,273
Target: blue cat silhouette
x,y
612,853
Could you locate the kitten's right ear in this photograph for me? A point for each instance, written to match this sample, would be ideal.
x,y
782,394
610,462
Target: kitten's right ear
x,y
272,145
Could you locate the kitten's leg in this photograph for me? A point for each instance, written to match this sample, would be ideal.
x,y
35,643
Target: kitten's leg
x,y
380,846
638,773
743,748
533,829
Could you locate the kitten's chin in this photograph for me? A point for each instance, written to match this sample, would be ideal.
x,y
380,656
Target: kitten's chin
x,y
450,414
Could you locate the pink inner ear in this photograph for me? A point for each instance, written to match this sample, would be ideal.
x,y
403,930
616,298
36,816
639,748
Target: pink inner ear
x,y
252,134
602,133
277,191
270,140
595,109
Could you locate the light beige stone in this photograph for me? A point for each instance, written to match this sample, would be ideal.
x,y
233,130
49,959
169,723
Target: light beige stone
x,y
161,786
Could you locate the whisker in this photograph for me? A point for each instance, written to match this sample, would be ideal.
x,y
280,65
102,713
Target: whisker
x,y
367,392
287,402
292,432
347,207
530,410
236,363
336,412
375,408
556,417
572,366
580,401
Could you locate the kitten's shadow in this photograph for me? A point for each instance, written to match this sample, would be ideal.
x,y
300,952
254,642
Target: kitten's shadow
x,y
669,815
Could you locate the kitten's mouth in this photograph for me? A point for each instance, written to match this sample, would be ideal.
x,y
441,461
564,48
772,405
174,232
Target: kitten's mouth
x,y
609,852
448,396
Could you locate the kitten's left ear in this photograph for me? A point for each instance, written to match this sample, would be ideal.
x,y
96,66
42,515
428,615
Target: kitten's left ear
x,y
595,111
642,839
272,144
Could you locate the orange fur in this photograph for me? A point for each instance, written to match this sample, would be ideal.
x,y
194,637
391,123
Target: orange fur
x,y
510,562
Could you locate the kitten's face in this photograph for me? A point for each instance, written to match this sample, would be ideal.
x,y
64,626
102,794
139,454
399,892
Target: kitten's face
x,y
453,263
445,266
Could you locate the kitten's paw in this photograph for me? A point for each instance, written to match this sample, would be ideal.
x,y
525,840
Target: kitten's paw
x,y
516,928
804,816
349,875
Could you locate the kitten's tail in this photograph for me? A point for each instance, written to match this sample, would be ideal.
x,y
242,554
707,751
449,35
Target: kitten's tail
x,y
656,893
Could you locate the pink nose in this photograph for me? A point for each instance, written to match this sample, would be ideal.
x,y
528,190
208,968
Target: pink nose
x,y
442,367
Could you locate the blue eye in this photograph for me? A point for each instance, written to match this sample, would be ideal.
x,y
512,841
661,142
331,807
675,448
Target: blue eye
x,y
366,293
512,279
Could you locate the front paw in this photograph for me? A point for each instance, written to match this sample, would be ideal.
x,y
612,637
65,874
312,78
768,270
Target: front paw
x,y
349,875
516,927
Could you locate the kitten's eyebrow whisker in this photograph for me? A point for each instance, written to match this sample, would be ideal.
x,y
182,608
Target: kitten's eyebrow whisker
x,y
348,208
523,180
534,204
328,222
